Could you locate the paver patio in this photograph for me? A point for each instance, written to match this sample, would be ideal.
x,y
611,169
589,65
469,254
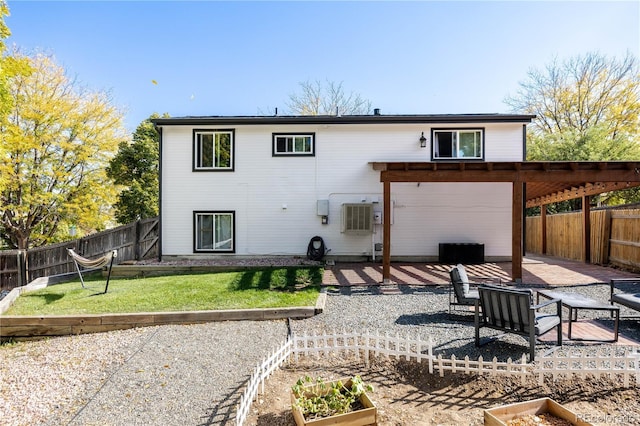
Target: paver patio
x,y
538,270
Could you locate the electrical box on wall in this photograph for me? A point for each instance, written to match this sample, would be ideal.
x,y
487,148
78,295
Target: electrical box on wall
x,y
377,217
323,207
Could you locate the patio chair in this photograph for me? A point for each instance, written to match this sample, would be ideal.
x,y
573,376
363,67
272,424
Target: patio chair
x,y
513,311
462,291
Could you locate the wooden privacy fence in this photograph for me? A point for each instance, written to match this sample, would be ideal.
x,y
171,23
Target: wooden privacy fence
x,y
624,241
615,236
618,362
135,241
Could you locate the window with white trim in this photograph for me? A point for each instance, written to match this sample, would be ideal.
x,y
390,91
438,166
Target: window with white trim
x,y
466,144
298,144
214,231
213,150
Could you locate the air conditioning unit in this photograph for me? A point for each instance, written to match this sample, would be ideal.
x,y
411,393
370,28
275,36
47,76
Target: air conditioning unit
x,y
357,218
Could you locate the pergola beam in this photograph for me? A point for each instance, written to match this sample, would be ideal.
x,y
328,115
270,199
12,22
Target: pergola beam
x,y
470,175
582,191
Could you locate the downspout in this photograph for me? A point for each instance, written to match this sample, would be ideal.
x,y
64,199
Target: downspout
x,y
373,244
524,194
159,130
524,142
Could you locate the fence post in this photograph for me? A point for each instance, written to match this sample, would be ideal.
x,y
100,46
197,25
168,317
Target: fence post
x,y
23,271
137,243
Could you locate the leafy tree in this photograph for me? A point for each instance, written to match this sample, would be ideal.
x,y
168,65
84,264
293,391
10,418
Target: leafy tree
x,y
4,33
592,144
582,93
587,109
58,139
10,66
329,98
135,166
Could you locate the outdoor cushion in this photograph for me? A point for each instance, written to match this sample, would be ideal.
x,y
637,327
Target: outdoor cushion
x,y
459,277
627,299
545,323
470,298
464,278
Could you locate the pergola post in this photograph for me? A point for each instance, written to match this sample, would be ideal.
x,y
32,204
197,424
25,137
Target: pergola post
x,y
543,226
386,234
517,210
586,229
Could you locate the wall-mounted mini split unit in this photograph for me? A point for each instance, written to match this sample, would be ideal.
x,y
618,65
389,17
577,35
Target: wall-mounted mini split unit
x,y
357,218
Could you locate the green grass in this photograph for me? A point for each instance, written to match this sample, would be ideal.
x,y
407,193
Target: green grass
x,y
262,288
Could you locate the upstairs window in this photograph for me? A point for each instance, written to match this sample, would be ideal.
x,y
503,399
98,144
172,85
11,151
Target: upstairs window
x,y
213,150
298,144
465,144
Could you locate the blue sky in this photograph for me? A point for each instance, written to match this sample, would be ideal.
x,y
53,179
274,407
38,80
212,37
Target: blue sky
x,y
245,58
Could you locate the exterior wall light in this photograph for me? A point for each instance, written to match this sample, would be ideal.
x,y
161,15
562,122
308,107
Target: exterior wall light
x,y
423,141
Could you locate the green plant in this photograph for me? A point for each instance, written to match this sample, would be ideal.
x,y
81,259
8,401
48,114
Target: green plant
x,y
316,398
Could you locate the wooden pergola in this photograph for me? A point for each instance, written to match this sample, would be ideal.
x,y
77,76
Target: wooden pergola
x,y
533,184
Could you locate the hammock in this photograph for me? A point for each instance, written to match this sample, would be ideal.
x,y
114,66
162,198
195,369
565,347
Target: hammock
x,y
100,262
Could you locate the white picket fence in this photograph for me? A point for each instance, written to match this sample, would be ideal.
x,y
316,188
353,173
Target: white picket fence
x,y
596,361
259,376
363,345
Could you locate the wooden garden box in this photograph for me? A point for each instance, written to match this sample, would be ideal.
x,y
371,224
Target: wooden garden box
x,y
500,416
363,417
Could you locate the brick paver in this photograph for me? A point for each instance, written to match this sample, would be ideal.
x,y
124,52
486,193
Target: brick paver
x,y
538,270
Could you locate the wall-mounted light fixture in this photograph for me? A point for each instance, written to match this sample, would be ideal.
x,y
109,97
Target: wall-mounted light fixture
x,y
423,141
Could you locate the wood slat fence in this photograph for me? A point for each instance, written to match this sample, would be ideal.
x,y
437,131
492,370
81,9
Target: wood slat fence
x,y
615,236
135,241
622,362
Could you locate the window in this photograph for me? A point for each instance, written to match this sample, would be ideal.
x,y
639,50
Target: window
x,y
463,143
213,150
214,232
299,144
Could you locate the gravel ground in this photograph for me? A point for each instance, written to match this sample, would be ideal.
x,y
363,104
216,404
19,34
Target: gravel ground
x,y
423,311
193,375
166,375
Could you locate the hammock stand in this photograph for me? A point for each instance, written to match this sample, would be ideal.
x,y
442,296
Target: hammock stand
x,y
93,264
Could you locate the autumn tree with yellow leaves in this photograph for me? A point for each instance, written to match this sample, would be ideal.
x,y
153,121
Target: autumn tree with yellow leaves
x,y
587,108
58,139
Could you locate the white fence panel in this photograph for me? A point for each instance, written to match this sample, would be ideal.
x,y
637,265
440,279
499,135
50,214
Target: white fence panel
x,y
579,362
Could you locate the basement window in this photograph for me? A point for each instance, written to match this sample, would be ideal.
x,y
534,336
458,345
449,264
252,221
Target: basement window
x,y
214,231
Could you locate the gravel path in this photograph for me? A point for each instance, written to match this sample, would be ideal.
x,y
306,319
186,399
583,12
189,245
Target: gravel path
x,y
193,375
166,375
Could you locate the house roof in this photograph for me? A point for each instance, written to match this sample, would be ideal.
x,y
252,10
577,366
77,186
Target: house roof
x,y
344,119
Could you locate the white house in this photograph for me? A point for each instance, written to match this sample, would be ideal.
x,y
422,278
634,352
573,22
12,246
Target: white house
x,y
258,186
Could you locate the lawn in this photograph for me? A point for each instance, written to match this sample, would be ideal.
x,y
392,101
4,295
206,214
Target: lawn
x,y
257,288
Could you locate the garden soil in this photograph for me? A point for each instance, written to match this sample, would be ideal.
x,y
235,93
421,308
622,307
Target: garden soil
x,y
406,394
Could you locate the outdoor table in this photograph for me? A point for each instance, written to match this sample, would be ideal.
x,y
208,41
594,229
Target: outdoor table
x,y
574,302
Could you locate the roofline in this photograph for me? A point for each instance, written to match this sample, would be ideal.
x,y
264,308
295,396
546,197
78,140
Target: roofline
x,y
344,119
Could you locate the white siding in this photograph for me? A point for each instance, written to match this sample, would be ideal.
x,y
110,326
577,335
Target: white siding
x,y
275,197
